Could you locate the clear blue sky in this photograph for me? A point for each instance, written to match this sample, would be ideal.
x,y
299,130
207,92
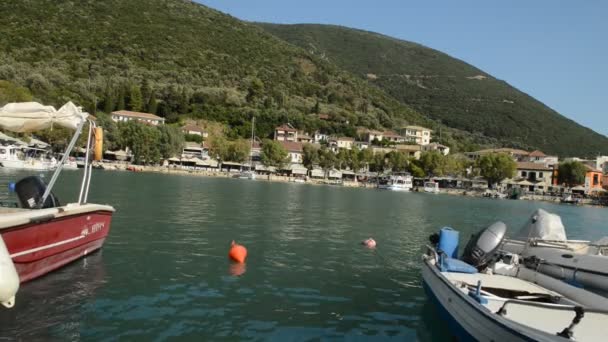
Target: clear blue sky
x,y
556,51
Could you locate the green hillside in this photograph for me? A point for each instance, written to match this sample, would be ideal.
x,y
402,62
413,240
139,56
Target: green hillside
x,y
175,58
446,89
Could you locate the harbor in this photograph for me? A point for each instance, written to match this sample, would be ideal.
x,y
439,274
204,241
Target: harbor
x,y
164,271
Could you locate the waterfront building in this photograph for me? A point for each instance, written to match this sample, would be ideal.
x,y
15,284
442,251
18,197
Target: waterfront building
x,y
601,163
194,150
147,118
417,134
295,151
286,133
593,179
540,158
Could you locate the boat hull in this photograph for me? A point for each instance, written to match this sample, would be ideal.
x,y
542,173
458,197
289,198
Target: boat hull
x,y
467,319
38,248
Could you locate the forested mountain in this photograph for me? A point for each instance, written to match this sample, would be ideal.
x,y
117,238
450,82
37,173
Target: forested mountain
x,y
445,88
175,57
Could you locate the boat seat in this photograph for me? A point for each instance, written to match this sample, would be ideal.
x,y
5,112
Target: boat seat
x,y
498,282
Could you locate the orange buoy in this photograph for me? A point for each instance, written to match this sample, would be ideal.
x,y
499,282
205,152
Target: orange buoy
x,y
237,252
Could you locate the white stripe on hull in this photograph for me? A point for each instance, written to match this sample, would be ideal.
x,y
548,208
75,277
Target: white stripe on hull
x,y
41,248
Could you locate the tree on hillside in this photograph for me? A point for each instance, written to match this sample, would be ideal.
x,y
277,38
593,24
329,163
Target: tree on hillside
x,y
571,173
136,102
171,141
432,163
397,161
327,160
10,92
273,154
310,156
238,151
354,160
495,167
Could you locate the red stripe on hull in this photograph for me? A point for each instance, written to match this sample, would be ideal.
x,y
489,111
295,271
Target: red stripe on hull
x,y
39,248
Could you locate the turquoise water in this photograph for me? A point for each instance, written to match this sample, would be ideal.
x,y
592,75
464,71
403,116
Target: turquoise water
x,y
164,274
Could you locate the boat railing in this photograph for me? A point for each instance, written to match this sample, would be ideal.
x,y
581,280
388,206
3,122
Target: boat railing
x,y
86,178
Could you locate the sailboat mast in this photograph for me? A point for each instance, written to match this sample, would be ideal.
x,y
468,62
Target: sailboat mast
x,y
251,148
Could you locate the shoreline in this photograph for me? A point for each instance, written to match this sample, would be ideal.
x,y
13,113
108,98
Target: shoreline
x,y
313,181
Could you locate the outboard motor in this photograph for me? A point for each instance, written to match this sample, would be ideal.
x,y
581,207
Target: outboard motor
x,y
30,191
483,246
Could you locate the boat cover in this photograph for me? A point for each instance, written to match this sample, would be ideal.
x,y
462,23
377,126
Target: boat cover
x,y
33,116
543,225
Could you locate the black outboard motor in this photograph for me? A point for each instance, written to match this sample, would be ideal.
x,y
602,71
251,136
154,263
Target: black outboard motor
x,y
30,191
483,246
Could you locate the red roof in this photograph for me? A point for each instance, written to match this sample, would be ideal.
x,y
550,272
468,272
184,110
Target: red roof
x,y
323,116
291,146
391,134
138,115
192,128
537,153
285,128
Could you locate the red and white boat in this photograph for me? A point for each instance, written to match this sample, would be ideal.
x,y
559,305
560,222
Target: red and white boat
x,y
39,234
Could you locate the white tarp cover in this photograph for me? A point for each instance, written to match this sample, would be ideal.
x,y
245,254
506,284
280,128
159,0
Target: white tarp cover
x,y
32,116
543,225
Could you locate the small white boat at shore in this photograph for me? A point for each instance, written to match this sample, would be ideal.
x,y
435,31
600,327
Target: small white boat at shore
x,y
431,187
396,182
543,246
487,300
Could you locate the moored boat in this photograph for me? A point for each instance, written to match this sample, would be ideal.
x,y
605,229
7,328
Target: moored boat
x,y
41,234
544,246
487,300
26,158
396,182
431,187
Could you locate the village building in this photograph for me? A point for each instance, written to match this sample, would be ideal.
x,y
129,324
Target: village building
x,y
540,158
532,177
593,179
412,151
370,135
286,133
341,143
304,138
295,151
516,154
194,130
392,136
318,137
147,118
194,150
437,147
417,134
362,145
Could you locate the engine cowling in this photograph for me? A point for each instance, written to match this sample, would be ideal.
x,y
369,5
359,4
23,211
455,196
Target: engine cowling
x,y
483,246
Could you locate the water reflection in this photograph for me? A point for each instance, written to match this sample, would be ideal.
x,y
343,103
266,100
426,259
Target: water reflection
x,y
165,273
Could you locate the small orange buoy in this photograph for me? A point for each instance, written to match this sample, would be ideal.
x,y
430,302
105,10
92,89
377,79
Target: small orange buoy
x,y
237,252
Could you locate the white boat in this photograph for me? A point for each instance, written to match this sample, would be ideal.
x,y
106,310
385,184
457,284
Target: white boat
x,y
250,174
26,158
431,187
543,245
396,182
487,300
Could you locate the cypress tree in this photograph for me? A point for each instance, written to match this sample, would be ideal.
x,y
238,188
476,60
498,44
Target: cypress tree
x,y
152,104
135,100
121,99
